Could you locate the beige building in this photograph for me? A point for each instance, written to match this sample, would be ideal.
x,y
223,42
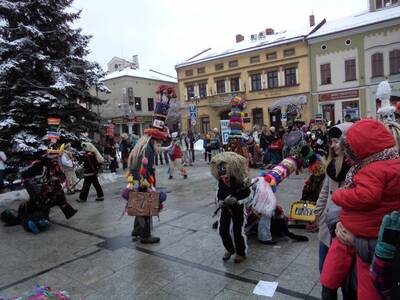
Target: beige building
x,y
270,70
131,103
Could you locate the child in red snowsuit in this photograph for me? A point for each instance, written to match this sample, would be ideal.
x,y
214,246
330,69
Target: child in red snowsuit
x,y
372,190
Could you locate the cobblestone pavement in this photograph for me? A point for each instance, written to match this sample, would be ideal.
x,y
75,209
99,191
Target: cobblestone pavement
x,y
92,255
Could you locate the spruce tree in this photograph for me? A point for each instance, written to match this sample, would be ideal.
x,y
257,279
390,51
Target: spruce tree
x,y
44,73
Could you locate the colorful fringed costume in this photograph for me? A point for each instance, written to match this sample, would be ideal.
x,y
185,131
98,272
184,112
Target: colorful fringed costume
x,y
236,125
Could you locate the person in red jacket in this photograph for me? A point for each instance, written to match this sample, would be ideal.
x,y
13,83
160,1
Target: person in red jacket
x,y
371,190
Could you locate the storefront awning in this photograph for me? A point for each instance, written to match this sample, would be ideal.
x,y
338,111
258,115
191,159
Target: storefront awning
x,y
290,100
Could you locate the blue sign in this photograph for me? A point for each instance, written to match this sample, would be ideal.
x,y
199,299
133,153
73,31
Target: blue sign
x,y
225,131
193,111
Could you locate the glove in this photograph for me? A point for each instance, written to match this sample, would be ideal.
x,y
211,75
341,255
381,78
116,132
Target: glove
x,y
389,235
231,201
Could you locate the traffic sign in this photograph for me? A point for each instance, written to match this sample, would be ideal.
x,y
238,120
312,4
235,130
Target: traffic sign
x,y
193,111
193,122
225,131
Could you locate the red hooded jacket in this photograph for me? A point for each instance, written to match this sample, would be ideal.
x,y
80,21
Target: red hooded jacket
x,y
376,190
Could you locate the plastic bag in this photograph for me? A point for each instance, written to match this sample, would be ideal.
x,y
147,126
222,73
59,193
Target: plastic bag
x,y
125,192
264,200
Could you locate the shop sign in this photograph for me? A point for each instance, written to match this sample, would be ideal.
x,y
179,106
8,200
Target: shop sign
x,y
144,119
339,95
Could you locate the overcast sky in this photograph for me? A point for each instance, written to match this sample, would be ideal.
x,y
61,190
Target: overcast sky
x,y
166,32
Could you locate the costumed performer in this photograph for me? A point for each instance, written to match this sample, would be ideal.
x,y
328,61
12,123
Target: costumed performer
x,y
231,171
141,162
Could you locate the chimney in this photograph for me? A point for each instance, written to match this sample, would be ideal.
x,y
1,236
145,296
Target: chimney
x,y
269,31
239,38
135,62
312,20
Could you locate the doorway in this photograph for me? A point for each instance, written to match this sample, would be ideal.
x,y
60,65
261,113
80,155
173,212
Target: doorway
x,y
328,112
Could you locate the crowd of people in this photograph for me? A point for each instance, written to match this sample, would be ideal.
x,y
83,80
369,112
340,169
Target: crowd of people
x,y
354,182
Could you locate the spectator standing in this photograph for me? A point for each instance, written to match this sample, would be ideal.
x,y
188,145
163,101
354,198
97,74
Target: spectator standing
x,y
190,137
125,148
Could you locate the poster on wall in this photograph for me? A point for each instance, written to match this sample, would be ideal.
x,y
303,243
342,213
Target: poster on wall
x,y
225,131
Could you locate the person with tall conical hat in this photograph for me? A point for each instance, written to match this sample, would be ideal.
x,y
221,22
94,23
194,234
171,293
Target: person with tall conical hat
x,y
141,161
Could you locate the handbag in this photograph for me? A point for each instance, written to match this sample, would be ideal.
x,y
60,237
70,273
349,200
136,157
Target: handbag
x,y
302,211
143,204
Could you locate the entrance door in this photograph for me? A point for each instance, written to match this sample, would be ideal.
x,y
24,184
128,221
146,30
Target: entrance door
x,y
275,118
328,112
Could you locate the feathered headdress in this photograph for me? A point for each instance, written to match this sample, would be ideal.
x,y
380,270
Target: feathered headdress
x,y
91,148
386,111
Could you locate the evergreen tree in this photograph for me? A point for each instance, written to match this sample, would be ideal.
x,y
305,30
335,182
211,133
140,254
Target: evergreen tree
x,y
43,73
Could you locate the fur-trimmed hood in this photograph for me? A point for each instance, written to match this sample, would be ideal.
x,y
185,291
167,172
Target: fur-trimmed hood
x,y
235,164
91,148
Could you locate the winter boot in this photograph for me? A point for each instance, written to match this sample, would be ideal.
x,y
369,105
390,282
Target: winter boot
x,y
43,224
328,294
150,240
68,210
32,227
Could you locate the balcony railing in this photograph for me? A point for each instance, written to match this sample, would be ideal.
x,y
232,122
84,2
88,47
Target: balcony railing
x,y
220,100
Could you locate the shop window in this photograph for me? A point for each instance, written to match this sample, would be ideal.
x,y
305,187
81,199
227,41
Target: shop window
x,y
273,79
205,124
258,118
351,110
325,73
290,77
255,82
235,84
328,112
203,90
275,118
377,64
220,86
394,61
350,69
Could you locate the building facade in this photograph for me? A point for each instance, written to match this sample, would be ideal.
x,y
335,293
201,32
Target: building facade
x,y
270,71
131,103
348,59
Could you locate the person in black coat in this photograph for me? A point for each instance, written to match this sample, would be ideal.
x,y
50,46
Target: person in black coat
x,y
92,161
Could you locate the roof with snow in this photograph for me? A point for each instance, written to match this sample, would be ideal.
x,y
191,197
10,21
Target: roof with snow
x,y
358,20
137,73
276,39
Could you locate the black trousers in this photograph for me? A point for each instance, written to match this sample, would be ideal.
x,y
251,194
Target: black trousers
x,y
234,213
142,226
88,181
191,152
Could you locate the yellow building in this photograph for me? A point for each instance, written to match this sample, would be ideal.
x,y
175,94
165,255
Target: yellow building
x,y
270,71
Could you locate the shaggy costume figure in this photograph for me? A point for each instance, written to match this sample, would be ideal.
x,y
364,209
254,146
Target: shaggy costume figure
x,y
230,169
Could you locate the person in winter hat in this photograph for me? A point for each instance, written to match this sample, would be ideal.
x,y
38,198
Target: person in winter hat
x,y
371,190
337,168
92,161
